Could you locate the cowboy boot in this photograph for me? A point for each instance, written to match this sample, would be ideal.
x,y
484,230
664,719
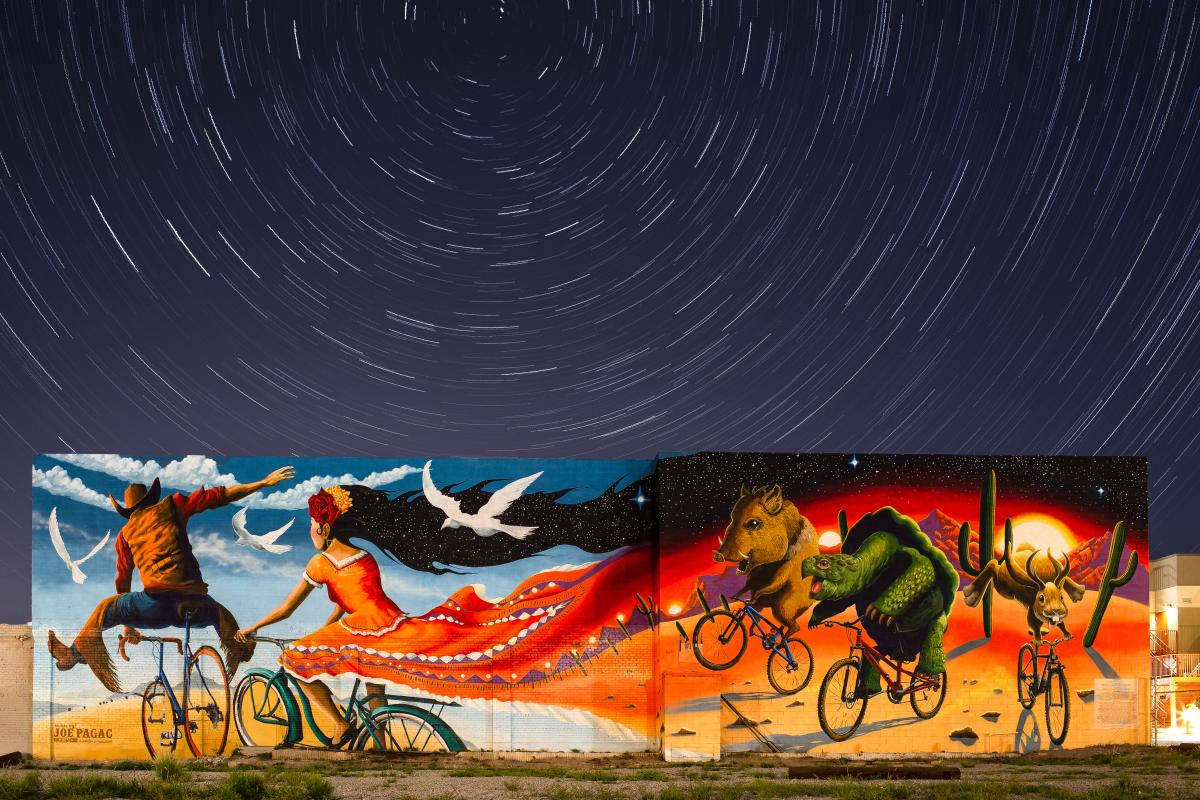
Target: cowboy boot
x,y
89,647
64,657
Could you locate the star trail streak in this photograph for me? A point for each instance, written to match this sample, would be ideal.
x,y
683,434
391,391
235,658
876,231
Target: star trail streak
x,y
598,229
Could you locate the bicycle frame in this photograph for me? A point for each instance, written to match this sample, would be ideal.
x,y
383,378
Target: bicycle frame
x,y
1049,661
358,712
185,650
772,637
895,688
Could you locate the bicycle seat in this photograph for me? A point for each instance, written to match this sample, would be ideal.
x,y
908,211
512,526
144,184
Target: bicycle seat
x,y
190,608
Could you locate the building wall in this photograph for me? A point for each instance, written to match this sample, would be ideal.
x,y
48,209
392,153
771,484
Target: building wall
x,y
1175,598
16,665
709,500
573,626
532,637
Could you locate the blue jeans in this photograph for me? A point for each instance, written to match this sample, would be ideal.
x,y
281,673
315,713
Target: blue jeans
x,y
159,610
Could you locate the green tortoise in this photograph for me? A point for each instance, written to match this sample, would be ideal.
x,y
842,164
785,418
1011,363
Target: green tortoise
x,y
900,583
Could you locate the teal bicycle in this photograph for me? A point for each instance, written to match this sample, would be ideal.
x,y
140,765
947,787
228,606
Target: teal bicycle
x,y
267,713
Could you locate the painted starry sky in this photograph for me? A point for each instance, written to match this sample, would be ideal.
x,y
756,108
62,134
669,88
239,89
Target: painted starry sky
x,y
599,229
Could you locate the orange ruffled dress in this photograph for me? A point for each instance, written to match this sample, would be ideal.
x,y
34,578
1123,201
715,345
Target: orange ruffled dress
x,y
546,625
354,585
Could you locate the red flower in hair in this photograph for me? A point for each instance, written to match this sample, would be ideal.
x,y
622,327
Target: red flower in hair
x,y
323,508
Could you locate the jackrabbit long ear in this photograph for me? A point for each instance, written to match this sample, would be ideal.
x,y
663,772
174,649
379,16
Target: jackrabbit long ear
x,y
773,500
1063,571
744,491
1029,579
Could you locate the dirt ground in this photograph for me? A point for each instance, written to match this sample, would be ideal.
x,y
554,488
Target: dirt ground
x,y
1113,772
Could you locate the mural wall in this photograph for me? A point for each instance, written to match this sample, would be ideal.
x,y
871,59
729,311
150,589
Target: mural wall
x,y
703,604
878,603
374,604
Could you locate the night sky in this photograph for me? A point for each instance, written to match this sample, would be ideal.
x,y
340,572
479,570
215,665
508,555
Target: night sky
x,y
598,229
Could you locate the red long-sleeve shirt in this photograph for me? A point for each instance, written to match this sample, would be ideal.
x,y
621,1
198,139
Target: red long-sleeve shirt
x,y
155,542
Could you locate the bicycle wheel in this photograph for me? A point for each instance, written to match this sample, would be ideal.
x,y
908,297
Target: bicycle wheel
x,y
788,678
1026,677
408,729
263,710
719,639
206,703
158,720
1058,706
927,701
840,704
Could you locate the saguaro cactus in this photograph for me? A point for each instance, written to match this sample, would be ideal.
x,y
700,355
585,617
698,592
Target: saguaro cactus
x,y
987,543
843,528
1110,580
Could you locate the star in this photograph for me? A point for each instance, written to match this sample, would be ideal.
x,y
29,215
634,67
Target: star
x,y
854,461
641,499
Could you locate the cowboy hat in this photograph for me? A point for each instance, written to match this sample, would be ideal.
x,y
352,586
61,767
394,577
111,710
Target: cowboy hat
x,y
137,497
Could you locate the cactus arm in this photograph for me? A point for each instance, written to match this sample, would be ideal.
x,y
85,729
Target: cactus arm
x,y
843,526
987,543
964,551
1110,581
1127,575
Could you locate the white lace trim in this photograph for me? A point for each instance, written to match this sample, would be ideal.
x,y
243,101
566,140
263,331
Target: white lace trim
x,y
378,632
309,580
345,562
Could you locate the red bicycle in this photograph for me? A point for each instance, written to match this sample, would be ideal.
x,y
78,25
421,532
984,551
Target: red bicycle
x,y
842,701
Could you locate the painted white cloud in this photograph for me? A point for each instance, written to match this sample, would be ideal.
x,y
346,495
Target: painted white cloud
x,y
57,480
192,472
189,472
297,494
213,548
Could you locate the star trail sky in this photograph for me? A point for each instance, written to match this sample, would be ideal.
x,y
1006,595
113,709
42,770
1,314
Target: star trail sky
x,y
599,228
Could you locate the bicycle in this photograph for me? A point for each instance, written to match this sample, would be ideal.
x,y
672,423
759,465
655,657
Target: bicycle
x,y
721,635
848,706
204,713
1051,681
268,714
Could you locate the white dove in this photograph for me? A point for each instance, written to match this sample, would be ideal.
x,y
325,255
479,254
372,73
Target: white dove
x,y
265,542
56,537
485,521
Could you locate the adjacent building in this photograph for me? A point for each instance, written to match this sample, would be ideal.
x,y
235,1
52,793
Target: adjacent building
x,y
1175,647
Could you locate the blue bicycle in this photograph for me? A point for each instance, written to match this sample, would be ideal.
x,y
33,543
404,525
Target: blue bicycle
x,y
203,714
720,638
268,715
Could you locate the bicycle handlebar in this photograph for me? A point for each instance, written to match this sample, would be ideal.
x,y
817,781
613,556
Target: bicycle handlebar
x,y
280,643
123,640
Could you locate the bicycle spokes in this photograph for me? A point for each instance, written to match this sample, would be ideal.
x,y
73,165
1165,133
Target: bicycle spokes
x,y
206,703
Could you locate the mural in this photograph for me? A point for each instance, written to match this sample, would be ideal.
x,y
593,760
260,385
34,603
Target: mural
x,y
887,603
390,604
702,603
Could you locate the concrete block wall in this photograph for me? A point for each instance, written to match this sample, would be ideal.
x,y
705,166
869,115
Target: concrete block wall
x,y
16,690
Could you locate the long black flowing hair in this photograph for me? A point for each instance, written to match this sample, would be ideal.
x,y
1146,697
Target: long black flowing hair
x,y
408,529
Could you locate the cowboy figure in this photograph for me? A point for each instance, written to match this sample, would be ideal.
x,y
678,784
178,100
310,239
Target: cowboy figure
x,y
155,542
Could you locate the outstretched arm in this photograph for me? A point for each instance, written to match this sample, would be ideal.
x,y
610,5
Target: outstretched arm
x,y
241,490
298,595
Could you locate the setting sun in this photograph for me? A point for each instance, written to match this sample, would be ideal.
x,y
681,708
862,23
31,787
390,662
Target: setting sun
x,y
829,540
1042,531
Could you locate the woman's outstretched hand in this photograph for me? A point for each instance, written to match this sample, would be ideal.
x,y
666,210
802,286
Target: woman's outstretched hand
x,y
245,634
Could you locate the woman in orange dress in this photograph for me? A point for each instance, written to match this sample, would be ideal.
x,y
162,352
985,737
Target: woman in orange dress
x,y
465,645
362,610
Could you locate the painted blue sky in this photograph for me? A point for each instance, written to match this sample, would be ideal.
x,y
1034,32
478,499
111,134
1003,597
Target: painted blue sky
x,y
250,582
